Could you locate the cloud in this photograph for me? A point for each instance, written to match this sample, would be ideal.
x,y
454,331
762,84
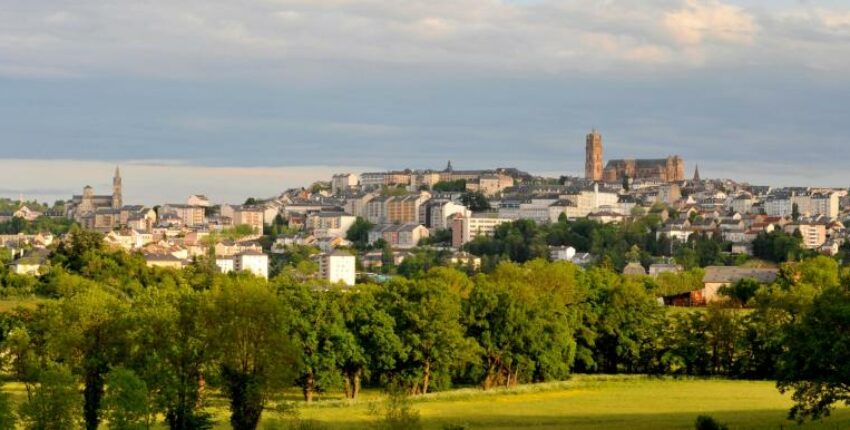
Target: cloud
x,y
277,40
702,21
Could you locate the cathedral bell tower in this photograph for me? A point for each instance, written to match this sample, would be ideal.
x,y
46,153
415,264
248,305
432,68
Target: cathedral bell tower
x,y
117,198
593,157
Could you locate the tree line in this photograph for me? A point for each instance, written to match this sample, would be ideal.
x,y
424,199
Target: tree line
x,y
146,342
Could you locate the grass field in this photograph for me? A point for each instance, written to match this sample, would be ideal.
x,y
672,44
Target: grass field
x,y
586,402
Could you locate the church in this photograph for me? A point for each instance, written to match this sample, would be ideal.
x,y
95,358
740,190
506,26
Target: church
x,y
670,169
108,212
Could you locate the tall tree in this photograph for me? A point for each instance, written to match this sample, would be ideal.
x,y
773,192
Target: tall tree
x,y
250,345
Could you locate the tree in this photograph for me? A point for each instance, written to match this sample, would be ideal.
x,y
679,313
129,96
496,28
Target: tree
x,y
54,403
742,291
126,402
426,313
88,331
450,186
8,418
250,345
173,347
475,201
319,334
795,212
814,365
358,233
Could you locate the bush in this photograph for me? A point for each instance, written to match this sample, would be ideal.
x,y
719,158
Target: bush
x,y
708,423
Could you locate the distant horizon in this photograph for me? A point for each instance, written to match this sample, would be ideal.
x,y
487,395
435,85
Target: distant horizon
x,y
155,182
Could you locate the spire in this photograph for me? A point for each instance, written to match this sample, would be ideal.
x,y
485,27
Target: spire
x,y
117,172
696,174
449,167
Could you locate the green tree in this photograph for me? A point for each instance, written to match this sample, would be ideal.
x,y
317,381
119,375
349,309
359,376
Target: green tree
x,y
475,201
814,365
358,233
126,401
426,313
250,344
172,341
319,333
53,403
742,291
88,331
8,418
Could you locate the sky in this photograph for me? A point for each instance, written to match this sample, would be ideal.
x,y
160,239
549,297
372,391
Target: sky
x,y
237,99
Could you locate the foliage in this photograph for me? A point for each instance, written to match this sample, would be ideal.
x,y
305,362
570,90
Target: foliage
x,y
126,402
54,403
475,201
450,186
705,422
814,365
777,246
358,233
8,417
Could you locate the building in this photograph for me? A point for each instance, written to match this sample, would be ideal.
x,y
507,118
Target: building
x,y
245,215
593,157
405,209
330,224
338,267
86,204
190,216
813,232
465,229
670,169
825,204
490,184
340,183
561,253
402,236
438,214
720,276
252,261
198,200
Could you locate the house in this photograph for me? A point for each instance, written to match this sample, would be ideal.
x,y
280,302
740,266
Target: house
x,y
245,215
337,267
466,259
189,215
163,260
31,263
561,253
437,214
719,276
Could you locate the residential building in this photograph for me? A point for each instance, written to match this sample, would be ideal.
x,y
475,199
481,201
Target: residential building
x,y
190,216
464,229
198,200
401,236
330,224
405,209
337,267
252,261
340,183
438,214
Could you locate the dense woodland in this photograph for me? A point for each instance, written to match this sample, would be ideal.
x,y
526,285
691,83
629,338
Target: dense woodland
x,y
145,342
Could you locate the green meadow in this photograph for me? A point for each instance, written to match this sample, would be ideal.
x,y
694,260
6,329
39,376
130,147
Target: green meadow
x,y
585,402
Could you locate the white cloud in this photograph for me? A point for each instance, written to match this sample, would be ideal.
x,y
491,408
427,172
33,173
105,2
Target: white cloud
x,y
278,39
702,21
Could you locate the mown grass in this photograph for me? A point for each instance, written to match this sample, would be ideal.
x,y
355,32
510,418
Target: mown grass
x,y
585,402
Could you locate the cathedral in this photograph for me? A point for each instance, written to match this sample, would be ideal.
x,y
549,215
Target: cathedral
x,y
89,203
670,169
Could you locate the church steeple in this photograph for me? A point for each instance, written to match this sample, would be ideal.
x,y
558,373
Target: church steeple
x,y
117,197
697,179
449,167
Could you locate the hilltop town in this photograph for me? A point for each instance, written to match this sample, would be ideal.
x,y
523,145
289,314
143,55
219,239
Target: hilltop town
x,y
353,227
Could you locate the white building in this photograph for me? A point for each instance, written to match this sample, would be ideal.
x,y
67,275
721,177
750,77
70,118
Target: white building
x,y
252,261
337,267
561,253
825,204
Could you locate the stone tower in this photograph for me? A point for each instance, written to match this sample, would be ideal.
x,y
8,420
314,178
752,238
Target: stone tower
x,y
117,198
593,154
